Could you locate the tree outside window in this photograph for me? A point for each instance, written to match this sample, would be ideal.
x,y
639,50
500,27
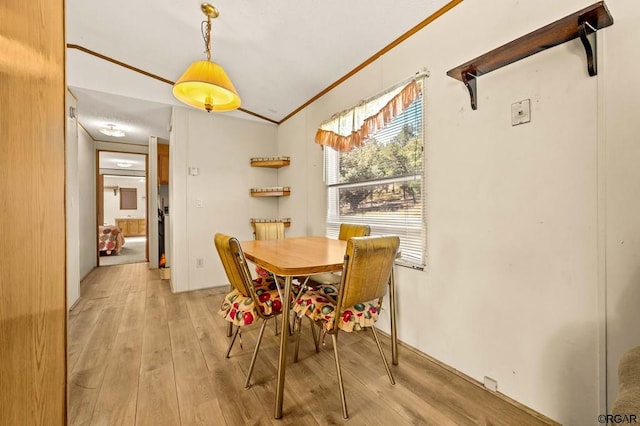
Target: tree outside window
x,y
381,183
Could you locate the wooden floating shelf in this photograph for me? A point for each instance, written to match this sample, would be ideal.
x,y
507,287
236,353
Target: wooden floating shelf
x,y
271,162
578,24
281,191
286,221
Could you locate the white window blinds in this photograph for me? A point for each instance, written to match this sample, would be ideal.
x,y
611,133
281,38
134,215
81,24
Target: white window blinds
x,y
380,182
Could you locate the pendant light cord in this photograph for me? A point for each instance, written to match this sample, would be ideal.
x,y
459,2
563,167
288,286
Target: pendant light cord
x,y
205,27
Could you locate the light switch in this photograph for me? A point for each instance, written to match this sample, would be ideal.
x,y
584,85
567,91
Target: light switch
x,y
521,112
199,203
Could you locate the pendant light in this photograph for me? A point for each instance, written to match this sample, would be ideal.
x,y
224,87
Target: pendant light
x,y
205,84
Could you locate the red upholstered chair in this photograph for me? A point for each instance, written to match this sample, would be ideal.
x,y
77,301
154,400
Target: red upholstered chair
x,y
250,300
355,304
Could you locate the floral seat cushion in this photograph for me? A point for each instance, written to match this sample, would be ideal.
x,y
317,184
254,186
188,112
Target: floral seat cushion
x,y
241,310
296,282
262,272
319,303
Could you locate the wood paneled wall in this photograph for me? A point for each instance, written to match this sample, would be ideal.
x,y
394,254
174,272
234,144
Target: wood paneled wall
x,y
32,213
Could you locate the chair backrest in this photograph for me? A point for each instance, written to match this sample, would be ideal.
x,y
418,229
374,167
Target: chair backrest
x,y
269,230
367,268
348,230
234,263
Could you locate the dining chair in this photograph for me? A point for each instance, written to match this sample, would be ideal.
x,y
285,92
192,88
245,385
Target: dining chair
x,y
250,299
347,230
275,231
267,231
356,303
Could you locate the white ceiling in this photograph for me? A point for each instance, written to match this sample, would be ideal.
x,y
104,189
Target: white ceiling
x,y
112,163
279,54
136,117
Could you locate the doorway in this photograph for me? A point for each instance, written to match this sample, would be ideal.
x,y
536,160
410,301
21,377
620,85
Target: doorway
x,y
122,208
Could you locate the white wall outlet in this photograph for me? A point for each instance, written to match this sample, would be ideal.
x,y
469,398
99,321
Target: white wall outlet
x,y
521,112
490,384
194,171
199,262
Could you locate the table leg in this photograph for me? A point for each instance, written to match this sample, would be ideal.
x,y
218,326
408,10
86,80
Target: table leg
x,y
282,357
394,330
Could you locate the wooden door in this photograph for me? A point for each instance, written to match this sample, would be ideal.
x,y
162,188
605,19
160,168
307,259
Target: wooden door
x,y
33,309
163,164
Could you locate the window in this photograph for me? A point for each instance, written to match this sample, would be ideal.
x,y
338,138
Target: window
x,y
380,182
128,199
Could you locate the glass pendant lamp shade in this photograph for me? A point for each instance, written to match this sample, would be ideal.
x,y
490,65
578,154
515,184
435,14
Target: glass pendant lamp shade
x,y
205,85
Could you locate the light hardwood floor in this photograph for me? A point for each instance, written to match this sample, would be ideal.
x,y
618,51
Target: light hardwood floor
x,y
140,355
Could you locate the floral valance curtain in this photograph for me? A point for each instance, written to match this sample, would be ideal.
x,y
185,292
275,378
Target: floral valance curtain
x,y
351,128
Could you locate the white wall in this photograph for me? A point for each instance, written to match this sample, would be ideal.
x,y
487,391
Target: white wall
x,y
220,147
112,209
515,287
178,148
87,202
533,230
152,203
72,200
621,152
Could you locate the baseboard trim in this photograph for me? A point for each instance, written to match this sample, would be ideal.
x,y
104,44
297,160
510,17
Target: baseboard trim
x,y
87,274
473,381
72,307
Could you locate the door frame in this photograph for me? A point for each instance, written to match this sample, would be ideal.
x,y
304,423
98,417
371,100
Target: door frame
x,y
100,197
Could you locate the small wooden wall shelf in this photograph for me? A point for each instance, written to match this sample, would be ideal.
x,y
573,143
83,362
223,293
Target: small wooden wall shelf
x,y
277,191
286,221
578,24
272,162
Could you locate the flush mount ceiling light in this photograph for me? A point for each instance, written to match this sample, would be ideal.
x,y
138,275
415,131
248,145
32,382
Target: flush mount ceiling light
x,y
205,84
111,130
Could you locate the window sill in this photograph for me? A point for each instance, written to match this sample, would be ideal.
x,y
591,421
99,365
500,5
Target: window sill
x,y
410,265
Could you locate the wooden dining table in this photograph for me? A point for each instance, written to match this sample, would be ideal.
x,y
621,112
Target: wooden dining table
x,y
303,256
